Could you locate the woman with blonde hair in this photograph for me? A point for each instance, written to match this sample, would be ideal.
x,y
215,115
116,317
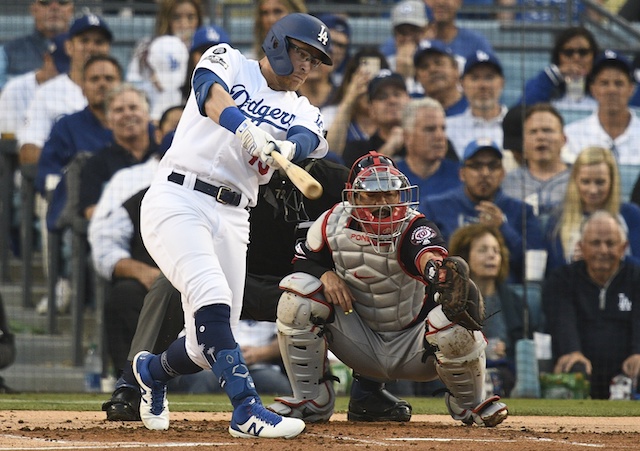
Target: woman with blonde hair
x,y
266,14
594,184
484,248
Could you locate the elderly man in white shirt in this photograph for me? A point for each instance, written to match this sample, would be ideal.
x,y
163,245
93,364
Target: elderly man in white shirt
x,y
482,82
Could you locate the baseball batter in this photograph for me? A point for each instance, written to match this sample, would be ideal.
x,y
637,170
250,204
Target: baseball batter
x,y
361,293
194,218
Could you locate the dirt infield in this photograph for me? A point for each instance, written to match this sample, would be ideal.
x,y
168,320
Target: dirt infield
x,y
43,430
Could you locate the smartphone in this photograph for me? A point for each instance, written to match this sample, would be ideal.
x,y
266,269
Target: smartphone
x,y
371,63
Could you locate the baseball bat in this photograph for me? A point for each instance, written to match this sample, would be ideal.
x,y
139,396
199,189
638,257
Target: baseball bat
x,y
308,186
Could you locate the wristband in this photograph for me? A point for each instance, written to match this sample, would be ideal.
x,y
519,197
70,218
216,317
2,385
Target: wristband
x,y
231,118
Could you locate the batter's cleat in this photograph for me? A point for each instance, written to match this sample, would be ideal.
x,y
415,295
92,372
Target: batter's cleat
x,y
379,405
251,419
124,404
154,407
490,412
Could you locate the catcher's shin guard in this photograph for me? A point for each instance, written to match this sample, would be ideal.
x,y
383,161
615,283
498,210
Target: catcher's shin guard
x,y
301,314
304,354
461,367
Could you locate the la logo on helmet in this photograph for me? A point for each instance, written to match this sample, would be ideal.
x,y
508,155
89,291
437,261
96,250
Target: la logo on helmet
x,y
323,36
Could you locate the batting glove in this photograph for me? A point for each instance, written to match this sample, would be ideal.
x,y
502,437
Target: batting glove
x,y
253,138
286,148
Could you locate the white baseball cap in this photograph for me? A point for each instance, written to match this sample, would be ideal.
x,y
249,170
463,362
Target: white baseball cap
x,y
410,12
168,57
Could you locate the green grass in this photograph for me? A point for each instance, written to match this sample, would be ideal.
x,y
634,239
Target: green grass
x,y
220,403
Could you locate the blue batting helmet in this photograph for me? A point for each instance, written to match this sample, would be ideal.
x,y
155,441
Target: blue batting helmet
x,y
299,26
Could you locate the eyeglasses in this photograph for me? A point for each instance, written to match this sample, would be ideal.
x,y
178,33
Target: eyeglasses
x,y
568,52
305,56
59,2
478,165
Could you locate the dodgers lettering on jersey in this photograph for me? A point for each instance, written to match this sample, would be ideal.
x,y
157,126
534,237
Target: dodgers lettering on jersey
x,y
216,154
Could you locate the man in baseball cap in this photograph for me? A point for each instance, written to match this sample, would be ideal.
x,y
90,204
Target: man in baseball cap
x,y
90,22
383,79
88,35
482,83
480,199
613,126
409,22
388,96
438,73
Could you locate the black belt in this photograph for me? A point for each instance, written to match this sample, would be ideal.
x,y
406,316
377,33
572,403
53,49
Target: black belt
x,y
222,194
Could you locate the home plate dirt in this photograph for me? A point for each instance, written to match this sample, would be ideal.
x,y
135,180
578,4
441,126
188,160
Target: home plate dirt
x,y
55,430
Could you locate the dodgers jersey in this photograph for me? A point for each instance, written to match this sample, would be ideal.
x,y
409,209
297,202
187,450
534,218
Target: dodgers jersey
x,y
214,153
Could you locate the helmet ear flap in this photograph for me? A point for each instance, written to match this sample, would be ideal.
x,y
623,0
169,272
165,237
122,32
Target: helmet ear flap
x,y
277,50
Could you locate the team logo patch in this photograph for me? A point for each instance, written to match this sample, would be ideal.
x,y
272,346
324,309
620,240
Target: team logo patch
x,y
422,235
217,60
219,50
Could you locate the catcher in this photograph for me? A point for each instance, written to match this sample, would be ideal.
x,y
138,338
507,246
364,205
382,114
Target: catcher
x,y
375,285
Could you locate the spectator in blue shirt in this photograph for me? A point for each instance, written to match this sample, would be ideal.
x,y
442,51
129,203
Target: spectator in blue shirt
x,y
572,58
84,131
438,73
425,140
26,53
442,27
481,200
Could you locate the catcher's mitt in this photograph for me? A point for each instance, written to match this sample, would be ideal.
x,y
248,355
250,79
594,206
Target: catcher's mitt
x,y
461,301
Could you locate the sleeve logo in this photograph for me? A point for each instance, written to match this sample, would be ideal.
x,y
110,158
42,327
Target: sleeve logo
x,y
422,235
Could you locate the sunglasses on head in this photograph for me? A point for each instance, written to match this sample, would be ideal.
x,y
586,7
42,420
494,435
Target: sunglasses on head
x,y
568,52
59,2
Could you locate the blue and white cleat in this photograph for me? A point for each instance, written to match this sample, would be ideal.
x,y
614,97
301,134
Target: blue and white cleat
x,y
154,407
251,419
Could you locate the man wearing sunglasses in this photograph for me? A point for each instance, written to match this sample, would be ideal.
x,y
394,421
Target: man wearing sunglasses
x,y
26,53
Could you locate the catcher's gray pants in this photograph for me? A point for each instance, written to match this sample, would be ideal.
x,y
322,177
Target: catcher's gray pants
x,y
380,355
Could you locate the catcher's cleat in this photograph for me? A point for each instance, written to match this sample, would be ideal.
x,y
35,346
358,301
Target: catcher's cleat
x,y
124,404
306,410
490,412
379,405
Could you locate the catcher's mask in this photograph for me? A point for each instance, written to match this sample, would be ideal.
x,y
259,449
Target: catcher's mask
x,y
379,197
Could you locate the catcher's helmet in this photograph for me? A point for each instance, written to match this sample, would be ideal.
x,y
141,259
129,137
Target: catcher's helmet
x,y
304,28
382,219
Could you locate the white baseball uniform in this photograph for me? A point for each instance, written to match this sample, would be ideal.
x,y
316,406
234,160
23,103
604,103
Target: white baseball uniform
x,y
198,243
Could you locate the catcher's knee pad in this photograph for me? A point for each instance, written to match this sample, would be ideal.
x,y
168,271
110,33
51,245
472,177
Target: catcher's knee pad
x,y
302,304
451,341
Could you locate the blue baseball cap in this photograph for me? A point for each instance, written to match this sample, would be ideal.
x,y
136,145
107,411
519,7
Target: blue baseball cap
x,y
90,22
480,144
335,22
611,58
56,49
208,35
482,57
385,78
427,46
